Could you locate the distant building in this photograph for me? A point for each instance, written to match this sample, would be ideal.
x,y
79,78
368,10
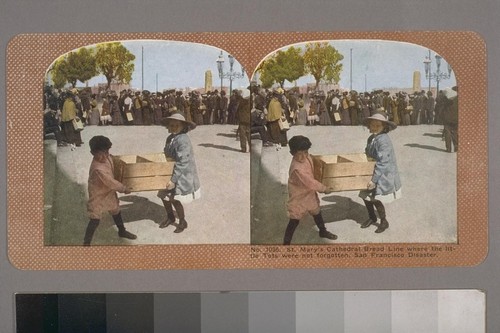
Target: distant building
x,y
114,86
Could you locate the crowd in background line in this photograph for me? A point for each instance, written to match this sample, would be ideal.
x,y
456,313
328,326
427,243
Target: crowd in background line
x,y
133,108
347,108
333,108
351,108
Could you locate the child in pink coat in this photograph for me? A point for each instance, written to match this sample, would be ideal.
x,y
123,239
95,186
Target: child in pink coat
x,y
102,187
302,190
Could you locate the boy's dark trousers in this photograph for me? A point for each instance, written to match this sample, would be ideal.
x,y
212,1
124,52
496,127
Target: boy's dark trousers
x,y
293,223
94,223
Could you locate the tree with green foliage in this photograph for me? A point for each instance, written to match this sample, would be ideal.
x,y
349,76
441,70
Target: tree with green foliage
x,y
81,66
321,60
282,66
265,73
57,72
74,67
115,62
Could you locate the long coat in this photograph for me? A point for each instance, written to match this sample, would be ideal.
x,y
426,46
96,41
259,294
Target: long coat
x,y
102,188
185,173
69,110
94,115
344,112
385,174
275,110
324,117
116,115
302,189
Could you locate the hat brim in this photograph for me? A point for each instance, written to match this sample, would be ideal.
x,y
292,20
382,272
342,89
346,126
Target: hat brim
x,y
190,125
390,124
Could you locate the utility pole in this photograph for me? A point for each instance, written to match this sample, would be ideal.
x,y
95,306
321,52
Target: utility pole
x,y
142,68
350,75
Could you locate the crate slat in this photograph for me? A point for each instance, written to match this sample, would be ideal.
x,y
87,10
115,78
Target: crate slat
x,y
148,169
137,184
345,172
353,183
145,172
347,169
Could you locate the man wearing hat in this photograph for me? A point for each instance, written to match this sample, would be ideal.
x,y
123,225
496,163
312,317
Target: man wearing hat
x,y
216,107
147,108
354,107
244,123
85,105
232,108
429,108
387,104
224,101
345,117
423,108
417,107
195,108
184,185
209,104
385,184
137,108
179,101
127,108
450,119
157,107
404,109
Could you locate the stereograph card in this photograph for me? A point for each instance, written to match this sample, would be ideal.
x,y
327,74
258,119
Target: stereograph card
x,y
240,219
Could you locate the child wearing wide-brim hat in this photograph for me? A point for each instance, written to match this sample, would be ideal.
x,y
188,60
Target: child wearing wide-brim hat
x,y
385,184
184,185
380,116
178,116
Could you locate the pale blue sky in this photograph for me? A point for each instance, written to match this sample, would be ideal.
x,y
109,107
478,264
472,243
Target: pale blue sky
x,y
177,64
387,64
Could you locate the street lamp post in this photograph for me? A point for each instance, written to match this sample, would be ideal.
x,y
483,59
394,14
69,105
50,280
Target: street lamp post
x,y
231,75
438,75
220,63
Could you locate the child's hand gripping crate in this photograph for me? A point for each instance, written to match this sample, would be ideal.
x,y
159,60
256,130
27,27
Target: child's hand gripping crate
x,y
343,172
145,172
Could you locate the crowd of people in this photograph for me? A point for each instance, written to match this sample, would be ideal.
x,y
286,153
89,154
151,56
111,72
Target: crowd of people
x,y
379,111
270,108
268,112
348,108
133,108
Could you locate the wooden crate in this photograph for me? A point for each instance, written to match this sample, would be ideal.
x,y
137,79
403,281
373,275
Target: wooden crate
x,y
343,172
145,172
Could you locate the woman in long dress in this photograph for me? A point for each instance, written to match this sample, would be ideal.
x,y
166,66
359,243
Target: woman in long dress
x,y
302,113
116,115
94,115
68,114
324,117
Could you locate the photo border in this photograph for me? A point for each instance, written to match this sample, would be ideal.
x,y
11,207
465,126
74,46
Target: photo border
x,y
465,51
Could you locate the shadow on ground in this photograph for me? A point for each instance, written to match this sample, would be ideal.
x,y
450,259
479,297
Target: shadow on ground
x,y
416,145
211,145
135,208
